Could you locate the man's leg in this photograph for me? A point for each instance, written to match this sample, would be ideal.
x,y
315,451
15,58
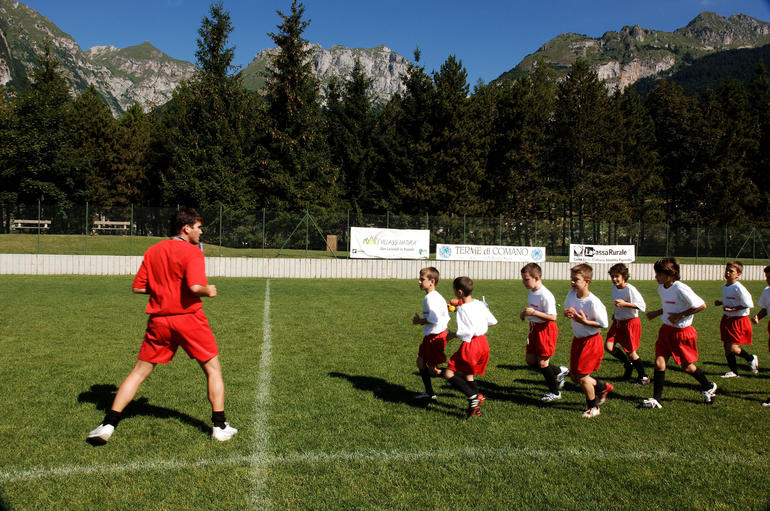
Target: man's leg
x,y
131,384
216,392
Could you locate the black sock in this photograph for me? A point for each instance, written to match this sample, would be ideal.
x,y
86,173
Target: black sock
x,y
591,403
550,379
745,355
658,379
639,366
461,384
699,375
425,375
474,387
620,355
218,418
731,363
599,387
112,418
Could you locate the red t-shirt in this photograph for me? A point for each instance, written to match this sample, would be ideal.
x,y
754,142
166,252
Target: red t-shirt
x,y
168,270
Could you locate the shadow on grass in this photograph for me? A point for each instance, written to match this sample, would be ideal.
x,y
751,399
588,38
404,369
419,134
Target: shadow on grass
x,y
392,393
3,505
103,395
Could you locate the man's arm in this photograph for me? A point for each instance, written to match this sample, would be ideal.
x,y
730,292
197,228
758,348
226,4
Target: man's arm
x,y
198,290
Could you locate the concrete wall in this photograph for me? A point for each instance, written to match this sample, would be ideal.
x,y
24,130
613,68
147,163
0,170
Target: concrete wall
x,y
33,264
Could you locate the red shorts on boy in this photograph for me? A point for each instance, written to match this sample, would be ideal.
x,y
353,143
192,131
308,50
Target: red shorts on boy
x,y
432,349
542,338
626,332
471,357
735,330
165,334
585,354
679,343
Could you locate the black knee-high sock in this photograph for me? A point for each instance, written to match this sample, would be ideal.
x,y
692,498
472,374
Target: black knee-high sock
x,y
731,363
473,385
218,418
112,418
658,379
745,355
620,355
550,378
599,387
461,384
425,375
639,366
699,375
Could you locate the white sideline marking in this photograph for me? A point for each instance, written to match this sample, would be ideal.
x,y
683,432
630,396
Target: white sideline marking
x,y
378,456
262,403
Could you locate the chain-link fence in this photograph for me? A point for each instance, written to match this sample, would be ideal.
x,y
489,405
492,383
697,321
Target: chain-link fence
x,y
271,233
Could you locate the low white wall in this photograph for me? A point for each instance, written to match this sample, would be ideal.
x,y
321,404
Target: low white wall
x,y
33,264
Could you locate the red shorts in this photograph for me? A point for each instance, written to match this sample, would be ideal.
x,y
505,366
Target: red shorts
x,y
679,343
165,334
585,354
432,349
735,329
626,332
542,338
471,357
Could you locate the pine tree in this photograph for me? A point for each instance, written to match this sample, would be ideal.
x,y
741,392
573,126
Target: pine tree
x,y
131,163
209,130
297,172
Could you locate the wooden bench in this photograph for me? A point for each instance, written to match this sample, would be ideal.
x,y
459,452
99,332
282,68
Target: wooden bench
x,y
19,225
109,226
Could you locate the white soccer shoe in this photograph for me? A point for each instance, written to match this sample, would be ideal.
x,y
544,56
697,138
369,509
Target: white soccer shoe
x,y
223,434
755,365
591,412
101,434
563,372
550,396
650,403
708,395
730,374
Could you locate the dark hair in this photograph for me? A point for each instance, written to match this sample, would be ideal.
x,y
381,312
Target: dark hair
x,y
532,269
737,265
583,269
182,218
767,269
464,284
668,266
430,272
620,269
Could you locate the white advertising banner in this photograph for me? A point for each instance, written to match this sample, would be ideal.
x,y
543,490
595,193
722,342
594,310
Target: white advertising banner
x,y
602,253
490,253
374,243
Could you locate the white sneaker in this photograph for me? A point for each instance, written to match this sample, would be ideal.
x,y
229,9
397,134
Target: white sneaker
x,y
563,372
766,402
550,396
729,374
223,434
591,412
708,395
650,403
755,365
101,434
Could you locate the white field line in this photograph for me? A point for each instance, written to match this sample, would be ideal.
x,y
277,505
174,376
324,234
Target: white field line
x,y
262,404
262,461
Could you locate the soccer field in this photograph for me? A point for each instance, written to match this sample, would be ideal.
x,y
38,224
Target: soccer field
x,y
319,377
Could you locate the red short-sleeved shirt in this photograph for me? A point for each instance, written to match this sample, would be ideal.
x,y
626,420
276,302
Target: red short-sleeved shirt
x,y
168,270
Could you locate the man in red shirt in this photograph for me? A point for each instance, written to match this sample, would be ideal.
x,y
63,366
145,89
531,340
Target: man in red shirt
x,y
173,273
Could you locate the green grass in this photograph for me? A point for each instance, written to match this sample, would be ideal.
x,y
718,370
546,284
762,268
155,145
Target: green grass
x,y
335,428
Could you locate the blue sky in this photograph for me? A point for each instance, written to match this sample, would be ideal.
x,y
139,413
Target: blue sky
x,y
489,36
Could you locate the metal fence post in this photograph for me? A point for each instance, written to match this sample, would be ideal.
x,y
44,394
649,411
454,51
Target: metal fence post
x,y
220,230
131,233
697,241
38,226
263,232
85,230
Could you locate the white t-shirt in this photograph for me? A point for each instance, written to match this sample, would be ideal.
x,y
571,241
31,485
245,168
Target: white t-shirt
x,y
736,295
677,298
473,319
435,311
594,310
543,301
631,295
764,299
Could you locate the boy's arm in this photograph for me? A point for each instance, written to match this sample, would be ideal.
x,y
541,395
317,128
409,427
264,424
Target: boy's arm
x,y
529,311
761,314
654,314
417,320
676,316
